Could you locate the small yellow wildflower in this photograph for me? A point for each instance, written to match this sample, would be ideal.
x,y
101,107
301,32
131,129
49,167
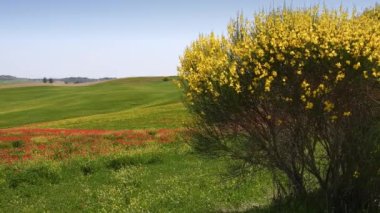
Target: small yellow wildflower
x,y
356,66
332,54
365,74
333,118
260,53
328,106
305,84
347,114
280,57
267,86
274,73
321,86
309,105
340,76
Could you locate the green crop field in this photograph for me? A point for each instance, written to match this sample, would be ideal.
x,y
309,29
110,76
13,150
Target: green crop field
x,y
150,177
118,104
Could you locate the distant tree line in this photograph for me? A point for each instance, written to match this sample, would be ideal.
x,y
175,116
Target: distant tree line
x,y
46,80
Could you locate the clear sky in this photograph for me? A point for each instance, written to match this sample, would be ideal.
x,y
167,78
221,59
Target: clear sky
x,y
116,38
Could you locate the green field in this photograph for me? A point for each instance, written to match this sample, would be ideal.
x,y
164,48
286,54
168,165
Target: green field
x,y
120,104
148,178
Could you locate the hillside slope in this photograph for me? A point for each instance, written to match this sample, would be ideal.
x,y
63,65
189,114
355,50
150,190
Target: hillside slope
x,y
118,104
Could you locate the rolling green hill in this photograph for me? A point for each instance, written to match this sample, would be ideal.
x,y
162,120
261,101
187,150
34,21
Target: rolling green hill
x,y
118,104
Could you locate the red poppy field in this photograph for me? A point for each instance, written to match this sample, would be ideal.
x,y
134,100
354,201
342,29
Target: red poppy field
x,y
57,144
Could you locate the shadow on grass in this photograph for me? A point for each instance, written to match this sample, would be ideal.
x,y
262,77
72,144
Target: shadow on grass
x,y
312,203
33,175
125,161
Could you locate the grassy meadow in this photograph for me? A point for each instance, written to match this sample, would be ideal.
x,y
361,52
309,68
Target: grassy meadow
x,y
112,147
120,104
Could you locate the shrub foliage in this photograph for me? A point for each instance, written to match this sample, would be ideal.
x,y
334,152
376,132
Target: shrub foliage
x,y
373,12
294,91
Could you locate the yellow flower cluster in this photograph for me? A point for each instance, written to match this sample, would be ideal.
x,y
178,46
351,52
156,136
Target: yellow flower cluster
x,y
311,51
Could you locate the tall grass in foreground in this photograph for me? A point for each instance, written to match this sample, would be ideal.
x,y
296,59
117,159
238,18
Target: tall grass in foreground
x,y
153,177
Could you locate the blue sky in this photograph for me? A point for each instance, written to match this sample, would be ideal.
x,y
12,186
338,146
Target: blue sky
x,y
116,38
